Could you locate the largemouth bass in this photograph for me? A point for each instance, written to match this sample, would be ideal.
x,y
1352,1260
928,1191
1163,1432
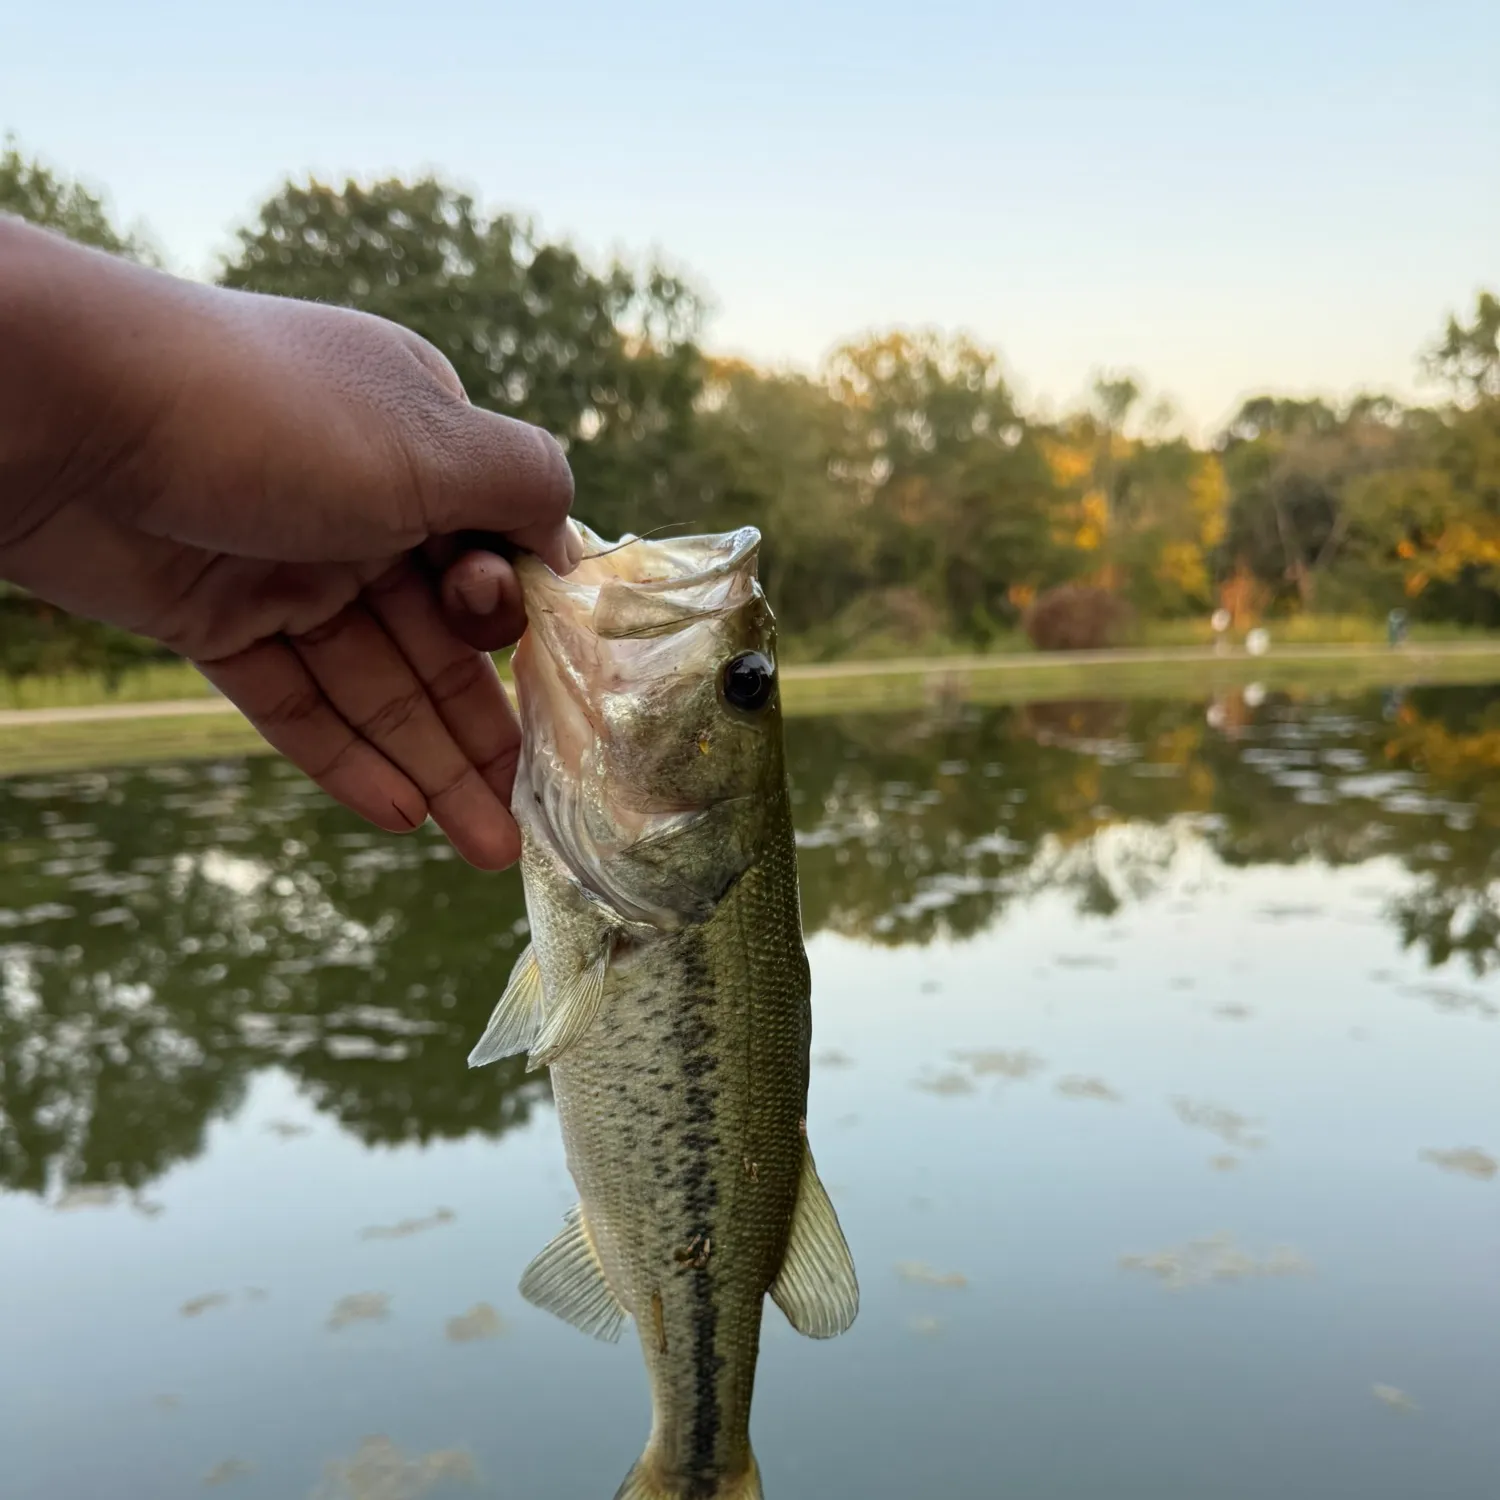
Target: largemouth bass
x,y
666,985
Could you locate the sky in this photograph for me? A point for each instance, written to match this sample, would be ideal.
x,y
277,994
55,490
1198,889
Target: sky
x,y
1223,199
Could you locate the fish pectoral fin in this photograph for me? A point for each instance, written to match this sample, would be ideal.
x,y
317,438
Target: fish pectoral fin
x,y
570,1011
816,1288
516,1020
641,1483
567,1280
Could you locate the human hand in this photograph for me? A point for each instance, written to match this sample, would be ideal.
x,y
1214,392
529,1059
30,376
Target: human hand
x,y
298,499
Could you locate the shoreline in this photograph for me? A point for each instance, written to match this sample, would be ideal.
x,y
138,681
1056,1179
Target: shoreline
x,y
69,738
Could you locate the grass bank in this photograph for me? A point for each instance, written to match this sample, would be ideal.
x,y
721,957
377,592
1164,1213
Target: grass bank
x,y
171,681
72,736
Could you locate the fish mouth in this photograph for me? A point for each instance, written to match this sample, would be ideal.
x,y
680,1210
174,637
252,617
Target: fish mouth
x,y
616,637
638,588
621,619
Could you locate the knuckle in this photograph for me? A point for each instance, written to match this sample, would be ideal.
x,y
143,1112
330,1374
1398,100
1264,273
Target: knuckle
x,y
294,707
501,764
318,635
458,678
392,715
335,762
453,784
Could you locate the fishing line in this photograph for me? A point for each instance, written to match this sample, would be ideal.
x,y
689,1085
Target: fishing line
x,y
644,536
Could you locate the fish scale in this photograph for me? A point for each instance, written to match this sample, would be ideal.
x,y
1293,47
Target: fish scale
x,y
694,1078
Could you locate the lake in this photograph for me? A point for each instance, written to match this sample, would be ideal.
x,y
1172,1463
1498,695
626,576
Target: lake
x,y
1155,1082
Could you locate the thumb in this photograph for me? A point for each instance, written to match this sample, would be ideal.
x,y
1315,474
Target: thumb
x,y
496,475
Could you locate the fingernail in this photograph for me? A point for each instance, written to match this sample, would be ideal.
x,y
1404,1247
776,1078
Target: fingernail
x,y
573,542
480,592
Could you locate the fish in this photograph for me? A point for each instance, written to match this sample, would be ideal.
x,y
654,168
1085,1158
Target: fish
x,y
666,985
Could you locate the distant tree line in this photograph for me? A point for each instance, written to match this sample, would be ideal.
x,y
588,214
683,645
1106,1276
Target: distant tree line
x,y
902,492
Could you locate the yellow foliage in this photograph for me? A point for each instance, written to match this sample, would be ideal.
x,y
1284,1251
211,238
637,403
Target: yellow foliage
x,y
1070,462
1467,544
1094,522
1443,535
1449,757
1210,498
1182,566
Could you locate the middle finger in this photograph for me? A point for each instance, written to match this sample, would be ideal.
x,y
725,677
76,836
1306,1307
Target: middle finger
x,y
376,691
460,676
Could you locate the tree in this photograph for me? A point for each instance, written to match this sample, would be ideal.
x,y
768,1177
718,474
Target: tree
x,y
36,193
1146,511
767,452
604,360
1290,466
1467,357
1432,522
955,488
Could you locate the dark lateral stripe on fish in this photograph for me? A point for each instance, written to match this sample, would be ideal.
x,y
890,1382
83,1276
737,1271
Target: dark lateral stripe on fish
x,y
695,1035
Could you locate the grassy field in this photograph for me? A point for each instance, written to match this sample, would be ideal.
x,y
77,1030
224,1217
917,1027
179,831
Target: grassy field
x,y
158,682
854,687
161,682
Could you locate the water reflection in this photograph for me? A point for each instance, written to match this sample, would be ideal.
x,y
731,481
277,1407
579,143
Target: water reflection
x,y
1172,1173
167,933
379,1470
1214,1258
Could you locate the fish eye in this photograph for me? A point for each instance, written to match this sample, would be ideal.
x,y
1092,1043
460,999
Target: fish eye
x,y
748,681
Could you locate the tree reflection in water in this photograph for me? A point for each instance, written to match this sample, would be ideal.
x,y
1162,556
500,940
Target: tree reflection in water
x,y
167,932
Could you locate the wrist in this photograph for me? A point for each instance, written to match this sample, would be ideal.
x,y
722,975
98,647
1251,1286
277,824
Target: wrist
x,y
81,348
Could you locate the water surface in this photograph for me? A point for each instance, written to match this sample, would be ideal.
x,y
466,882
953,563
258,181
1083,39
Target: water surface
x,y
1154,1081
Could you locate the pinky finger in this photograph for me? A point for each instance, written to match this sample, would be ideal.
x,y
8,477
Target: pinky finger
x,y
270,686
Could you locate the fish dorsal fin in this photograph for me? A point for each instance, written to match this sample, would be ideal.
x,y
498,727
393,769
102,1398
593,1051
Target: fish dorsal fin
x,y
567,1280
572,1005
517,1019
816,1288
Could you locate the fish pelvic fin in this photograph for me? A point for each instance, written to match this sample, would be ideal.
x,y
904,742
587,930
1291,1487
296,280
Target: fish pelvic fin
x,y
567,1280
816,1287
646,1482
517,1018
571,1009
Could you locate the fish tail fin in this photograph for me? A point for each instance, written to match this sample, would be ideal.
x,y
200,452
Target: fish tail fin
x,y
643,1482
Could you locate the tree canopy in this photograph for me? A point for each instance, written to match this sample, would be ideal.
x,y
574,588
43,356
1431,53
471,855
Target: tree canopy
x,y
903,491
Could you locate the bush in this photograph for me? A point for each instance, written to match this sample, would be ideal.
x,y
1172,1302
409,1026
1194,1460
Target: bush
x,y
1076,617
39,640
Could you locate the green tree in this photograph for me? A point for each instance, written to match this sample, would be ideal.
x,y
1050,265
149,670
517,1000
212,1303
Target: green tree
x,y
768,452
34,192
955,489
1467,357
1431,523
1293,467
